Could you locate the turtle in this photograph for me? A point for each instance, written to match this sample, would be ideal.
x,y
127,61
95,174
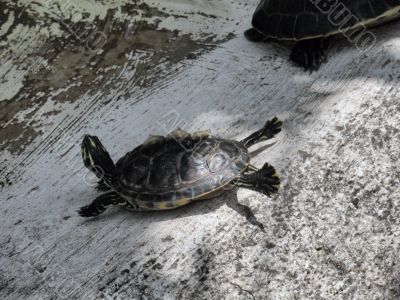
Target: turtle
x,y
312,25
167,172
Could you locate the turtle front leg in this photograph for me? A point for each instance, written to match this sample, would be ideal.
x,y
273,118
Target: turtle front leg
x,y
270,129
262,180
310,54
100,204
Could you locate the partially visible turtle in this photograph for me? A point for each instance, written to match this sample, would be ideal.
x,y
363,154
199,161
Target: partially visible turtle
x,y
312,23
172,171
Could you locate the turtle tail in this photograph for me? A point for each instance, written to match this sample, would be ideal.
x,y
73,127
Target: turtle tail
x,y
97,159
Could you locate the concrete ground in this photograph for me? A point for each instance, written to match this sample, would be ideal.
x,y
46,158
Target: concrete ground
x,y
125,69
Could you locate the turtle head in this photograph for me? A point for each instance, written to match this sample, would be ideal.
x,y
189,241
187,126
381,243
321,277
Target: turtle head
x,y
91,143
96,158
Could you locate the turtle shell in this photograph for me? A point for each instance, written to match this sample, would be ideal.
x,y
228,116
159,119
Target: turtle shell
x,y
168,172
306,19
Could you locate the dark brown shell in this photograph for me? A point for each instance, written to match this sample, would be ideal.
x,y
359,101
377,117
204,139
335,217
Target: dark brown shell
x,y
166,172
304,19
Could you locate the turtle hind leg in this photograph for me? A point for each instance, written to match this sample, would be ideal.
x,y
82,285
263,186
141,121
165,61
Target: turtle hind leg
x,y
310,54
253,35
270,129
100,204
262,180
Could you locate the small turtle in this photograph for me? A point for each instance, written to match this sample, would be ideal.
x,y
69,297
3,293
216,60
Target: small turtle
x,y
168,172
313,23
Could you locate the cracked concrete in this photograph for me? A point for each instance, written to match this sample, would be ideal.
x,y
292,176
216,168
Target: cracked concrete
x,y
333,232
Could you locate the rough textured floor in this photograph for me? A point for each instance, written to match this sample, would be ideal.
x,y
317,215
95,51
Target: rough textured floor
x,y
125,69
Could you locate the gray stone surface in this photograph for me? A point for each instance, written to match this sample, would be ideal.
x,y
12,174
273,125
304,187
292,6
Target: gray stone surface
x,y
331,233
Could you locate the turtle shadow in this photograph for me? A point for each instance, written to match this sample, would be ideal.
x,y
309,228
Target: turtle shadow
x,y
203,207
245,211
230,199
261,149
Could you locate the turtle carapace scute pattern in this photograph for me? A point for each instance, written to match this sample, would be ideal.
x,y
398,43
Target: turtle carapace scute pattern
x,y
168,172
313,23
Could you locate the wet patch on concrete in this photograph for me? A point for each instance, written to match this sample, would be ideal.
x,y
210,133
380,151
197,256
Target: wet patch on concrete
x,y
11,16
105,55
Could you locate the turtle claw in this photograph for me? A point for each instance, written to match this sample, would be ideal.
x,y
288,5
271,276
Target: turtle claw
x,y
87,212
271,128
84,212
100,204
262,180
311,54
268,182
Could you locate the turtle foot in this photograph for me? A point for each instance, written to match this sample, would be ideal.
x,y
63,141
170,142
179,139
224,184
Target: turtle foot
x,y
311,54
262,180
88,211
100,204
270,129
